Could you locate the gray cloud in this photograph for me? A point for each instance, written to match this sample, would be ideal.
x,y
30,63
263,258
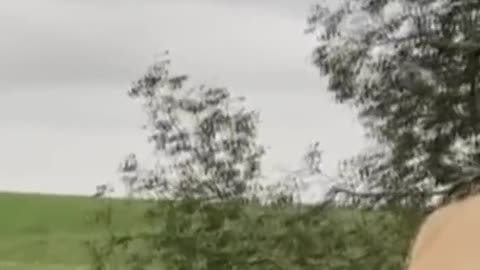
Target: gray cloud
x,y
66,64
62,42
296,10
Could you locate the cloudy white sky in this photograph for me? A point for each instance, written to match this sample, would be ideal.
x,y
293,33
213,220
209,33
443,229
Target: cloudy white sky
x,y
65,118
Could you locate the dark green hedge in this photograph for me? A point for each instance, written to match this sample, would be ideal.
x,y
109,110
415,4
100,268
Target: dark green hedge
x,y
234,236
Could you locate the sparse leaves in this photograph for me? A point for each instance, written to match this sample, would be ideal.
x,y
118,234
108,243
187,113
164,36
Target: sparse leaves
x,y
205,138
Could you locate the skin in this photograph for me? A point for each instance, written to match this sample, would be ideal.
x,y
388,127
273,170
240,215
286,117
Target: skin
x,y
449,238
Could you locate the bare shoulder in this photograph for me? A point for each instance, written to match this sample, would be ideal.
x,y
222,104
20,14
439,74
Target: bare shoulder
x,y
445,229
429,228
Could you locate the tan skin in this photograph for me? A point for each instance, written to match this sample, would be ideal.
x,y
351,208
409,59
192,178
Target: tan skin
x,y
449,238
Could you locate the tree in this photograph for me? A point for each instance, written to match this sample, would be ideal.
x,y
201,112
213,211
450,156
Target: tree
x,y
206,212
411,67
204,184
204,139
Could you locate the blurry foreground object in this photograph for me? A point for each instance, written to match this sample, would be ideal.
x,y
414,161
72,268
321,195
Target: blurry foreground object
x,y
448,238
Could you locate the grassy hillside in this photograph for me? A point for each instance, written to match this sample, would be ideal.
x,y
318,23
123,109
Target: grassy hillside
x,y
46,232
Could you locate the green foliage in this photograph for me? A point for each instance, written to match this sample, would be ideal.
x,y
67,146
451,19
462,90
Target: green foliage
x,y
211,214
204,139
234,235
329,236
411,68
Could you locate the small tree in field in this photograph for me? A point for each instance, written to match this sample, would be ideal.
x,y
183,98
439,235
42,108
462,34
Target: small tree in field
x,y
204,139
206,152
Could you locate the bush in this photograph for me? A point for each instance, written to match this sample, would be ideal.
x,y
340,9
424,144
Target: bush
x,y
232,235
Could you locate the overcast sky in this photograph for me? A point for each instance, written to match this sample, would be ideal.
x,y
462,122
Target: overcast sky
x,y
65,118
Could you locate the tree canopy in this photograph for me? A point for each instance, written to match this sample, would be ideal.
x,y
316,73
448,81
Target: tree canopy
x,y
411,68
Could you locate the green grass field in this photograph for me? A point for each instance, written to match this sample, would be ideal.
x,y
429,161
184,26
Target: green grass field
x,y
47,232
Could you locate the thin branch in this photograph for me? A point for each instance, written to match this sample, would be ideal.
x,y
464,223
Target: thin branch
x,y
403,193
